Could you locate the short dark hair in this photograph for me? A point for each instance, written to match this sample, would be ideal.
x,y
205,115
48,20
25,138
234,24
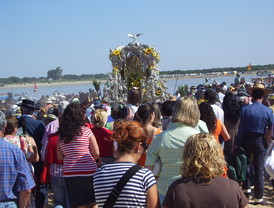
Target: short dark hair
x,y
27,111
168,107
134,97
211,96
12,123
257,94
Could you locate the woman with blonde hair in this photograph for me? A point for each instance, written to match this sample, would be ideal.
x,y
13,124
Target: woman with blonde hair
x,y
167,147
103,135
201,184
140,190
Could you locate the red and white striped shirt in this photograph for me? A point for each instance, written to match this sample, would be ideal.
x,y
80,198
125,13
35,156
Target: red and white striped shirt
x,y
78,160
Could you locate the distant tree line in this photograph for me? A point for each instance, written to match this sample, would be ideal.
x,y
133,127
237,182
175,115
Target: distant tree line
x,y
225,69
56,75
53,75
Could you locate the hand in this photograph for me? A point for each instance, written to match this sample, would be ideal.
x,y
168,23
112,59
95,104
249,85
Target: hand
x,y
99,162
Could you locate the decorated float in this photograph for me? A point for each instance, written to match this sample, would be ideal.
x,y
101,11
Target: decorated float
x,y
135,66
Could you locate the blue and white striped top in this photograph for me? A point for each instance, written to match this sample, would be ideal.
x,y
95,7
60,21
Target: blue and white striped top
x,y
135,191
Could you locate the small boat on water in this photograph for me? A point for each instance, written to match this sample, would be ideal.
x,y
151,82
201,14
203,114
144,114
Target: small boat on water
x,y
35,88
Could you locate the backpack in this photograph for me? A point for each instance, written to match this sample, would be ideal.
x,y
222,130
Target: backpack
x,y
237,164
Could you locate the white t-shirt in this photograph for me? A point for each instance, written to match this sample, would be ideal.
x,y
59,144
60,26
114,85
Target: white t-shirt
x,y
219,112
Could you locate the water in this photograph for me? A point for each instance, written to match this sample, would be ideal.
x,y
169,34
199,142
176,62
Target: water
x,y
73,88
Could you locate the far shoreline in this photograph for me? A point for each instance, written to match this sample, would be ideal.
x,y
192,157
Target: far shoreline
x,y
8,86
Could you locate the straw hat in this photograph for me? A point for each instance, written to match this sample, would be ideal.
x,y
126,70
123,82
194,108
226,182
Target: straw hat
x,y
172,98
258,86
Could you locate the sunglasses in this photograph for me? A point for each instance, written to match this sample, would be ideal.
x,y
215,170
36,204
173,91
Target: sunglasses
x,y
145,145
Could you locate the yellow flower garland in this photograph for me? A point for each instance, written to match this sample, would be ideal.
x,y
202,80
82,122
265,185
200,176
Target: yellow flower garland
x,y
116,53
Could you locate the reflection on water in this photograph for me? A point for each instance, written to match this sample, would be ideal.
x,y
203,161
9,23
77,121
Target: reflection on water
x,y
67,89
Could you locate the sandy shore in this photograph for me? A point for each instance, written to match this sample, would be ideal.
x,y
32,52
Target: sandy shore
x,y
49,84
102,81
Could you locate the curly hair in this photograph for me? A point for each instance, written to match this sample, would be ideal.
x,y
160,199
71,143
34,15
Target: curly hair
x,y
202,158
129,133
232,108
71,122
208,116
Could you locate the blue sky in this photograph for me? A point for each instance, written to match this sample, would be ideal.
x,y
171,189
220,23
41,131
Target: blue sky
x,y
37,36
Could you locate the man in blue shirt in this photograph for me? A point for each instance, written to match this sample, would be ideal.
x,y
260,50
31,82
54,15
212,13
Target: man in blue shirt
x,y
16,180
256,122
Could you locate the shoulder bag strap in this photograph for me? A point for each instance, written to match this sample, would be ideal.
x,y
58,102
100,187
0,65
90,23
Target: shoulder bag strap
x,y
114,194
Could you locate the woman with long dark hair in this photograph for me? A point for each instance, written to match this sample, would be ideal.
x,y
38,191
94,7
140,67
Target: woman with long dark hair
x,y
232,110
79,151
214,125
146,115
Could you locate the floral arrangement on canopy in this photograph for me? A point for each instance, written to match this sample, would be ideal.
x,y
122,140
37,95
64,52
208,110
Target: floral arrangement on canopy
x,y
135,66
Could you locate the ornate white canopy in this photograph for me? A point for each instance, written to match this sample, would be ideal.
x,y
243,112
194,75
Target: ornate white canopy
x,y
135,66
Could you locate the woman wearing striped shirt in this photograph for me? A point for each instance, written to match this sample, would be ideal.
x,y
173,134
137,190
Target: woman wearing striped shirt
x,y
79,150
141,189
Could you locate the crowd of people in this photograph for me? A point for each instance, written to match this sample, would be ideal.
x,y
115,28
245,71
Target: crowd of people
x,y
89,153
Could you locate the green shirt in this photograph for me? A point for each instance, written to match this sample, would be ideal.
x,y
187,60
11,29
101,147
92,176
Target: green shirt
x,y
168,147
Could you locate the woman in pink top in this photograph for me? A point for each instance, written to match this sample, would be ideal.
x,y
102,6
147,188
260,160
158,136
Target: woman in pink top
x,y
79,151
